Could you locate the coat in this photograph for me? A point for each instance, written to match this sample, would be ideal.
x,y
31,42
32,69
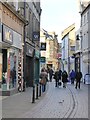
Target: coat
x,y
56,75
78,76
43,76
72,74
64,77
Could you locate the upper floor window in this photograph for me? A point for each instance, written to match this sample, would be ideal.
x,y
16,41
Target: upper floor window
x,y
84,19
87,16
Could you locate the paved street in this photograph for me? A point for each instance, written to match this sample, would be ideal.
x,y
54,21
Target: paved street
x,y
55,103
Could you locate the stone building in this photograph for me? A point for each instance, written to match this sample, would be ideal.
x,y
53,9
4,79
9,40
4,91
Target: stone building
x,y
50,51
19,43
11,46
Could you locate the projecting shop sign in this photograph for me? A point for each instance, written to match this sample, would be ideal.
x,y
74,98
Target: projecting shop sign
x,y
36,35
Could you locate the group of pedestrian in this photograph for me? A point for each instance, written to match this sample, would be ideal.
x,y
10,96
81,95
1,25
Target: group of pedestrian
x,y
62,77
76,76
58,76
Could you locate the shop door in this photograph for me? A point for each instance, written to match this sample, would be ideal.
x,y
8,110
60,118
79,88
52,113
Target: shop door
x,y
36,71
29,71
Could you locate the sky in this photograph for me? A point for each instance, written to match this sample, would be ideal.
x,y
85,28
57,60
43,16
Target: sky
x,y
57,15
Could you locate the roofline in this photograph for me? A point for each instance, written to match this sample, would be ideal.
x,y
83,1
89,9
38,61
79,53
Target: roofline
x,y
85,8
72,27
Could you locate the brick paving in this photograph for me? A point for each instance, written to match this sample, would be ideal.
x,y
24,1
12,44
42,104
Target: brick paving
x,y
55,103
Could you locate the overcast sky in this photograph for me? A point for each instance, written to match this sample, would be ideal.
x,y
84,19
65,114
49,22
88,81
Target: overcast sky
x,y
58,14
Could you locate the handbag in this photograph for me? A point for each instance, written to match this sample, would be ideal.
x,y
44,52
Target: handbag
x,y
41,81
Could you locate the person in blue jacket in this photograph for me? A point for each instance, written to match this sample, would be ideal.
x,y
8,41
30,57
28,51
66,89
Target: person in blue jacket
x,y
72,76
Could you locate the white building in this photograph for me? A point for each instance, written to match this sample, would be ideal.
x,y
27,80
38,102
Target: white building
x,y
68,47
85,45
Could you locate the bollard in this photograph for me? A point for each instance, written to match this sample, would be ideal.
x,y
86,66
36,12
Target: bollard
x,y
33,95
37,91
40,90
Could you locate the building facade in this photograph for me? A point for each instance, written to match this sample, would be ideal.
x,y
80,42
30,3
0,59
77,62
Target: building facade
x,y
11,46
19,43
85,29
51,51
32,12
68,47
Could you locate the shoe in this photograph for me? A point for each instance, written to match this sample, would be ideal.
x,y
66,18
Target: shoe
x,y
75,87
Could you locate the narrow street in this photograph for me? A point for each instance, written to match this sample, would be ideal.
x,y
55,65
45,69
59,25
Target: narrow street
x,y
55,103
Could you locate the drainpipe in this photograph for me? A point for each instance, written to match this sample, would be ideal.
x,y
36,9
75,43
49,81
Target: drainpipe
x,y
24,48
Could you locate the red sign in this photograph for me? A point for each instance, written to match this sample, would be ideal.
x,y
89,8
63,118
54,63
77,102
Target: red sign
x,y
59,55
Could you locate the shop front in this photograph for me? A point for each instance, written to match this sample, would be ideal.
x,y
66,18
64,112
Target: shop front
x,y
29,65
11,39
11,48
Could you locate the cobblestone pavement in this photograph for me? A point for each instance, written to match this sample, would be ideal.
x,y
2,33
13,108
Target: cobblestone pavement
x,y
55,103
62,103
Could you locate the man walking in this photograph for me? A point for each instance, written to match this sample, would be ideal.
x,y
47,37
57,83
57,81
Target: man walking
x,y
50,74
56,77
78,79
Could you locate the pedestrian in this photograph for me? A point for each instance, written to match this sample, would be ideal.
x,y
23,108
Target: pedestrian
x,y
72,76
60,74
50,74
64,78
56,77
78,78
43,77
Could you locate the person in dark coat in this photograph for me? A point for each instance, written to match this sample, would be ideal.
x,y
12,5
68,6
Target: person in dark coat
x,y
78,79
64,78
72,76
60,74
56,77
50,74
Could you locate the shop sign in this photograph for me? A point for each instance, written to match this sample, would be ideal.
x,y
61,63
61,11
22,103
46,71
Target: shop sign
x,y
7,34
29,50
17,40
36,35
43,46
42,59
59,55
37,53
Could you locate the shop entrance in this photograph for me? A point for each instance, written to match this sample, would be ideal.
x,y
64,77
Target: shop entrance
x,y
29,71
